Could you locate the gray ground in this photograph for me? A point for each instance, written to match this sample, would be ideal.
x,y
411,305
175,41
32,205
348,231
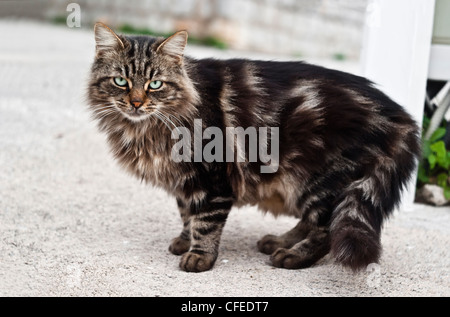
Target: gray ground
x,y
73,224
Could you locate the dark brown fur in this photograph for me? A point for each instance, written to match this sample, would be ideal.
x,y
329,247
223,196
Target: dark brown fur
x,y
346,149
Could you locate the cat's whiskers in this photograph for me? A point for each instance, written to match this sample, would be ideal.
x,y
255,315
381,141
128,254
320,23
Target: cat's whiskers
x,y
105,109
166,119
180,124
104,115
161,118
102,106
105,112
100,111
178,120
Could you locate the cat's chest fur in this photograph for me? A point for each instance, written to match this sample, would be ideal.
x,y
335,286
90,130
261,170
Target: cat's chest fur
x,y
146,153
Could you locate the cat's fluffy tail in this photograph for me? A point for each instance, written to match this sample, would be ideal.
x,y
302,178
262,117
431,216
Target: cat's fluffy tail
x,y
363,206
355,231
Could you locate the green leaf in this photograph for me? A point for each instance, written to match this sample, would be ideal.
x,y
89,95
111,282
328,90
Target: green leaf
x,y
437,135
442,179
422,175
432,160
445,163
426,150
441,154
447,192
439,149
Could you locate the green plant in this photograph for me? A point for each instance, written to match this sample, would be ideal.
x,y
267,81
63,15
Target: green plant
x,y
129,29
59,19
213,42
208,41
339,57
434,167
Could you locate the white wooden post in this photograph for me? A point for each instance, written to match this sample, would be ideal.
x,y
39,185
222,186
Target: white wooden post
x,y
396,53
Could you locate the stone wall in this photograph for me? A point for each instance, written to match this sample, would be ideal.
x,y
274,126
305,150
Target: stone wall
x,y
318,28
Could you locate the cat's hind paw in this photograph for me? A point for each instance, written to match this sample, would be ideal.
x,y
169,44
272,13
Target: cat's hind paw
x,y
269,244
179,246
290,259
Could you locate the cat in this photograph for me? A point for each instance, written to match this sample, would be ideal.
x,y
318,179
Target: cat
x,y
346,150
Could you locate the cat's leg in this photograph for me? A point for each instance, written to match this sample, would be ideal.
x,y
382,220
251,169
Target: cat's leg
x,y
182,243
206,227
304,253
270,243
315,212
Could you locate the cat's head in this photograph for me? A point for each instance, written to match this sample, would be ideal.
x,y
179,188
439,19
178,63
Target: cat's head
x,y
137,77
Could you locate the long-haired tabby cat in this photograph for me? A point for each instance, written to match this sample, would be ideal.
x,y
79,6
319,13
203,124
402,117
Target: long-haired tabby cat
x,y
346,150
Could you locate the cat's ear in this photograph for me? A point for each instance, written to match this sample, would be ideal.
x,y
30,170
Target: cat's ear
x,y
174,45
106,40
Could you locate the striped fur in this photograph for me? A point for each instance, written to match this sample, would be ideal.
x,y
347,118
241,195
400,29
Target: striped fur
x,y
346,149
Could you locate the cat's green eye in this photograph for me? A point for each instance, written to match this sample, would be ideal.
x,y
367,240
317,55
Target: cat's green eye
x,y
121,82
156,84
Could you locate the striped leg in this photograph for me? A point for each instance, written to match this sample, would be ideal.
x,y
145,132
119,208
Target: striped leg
x,y
309,241
206,229
182,243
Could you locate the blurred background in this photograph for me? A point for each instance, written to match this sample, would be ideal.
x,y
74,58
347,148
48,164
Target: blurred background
x,y
331,29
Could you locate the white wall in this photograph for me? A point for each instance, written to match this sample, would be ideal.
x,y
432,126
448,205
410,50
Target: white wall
x,y
396,54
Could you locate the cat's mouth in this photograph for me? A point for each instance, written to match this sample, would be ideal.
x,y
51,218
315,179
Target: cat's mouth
x,y
136,114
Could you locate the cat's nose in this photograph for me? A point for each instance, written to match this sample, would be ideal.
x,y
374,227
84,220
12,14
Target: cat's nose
x,y
137,103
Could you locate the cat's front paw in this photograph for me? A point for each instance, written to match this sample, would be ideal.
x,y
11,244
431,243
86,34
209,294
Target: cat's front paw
x,y
195,262
179,246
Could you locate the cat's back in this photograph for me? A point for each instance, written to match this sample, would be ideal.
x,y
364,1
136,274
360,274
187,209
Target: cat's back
x,y
318,110
283,74
301,99
283,81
